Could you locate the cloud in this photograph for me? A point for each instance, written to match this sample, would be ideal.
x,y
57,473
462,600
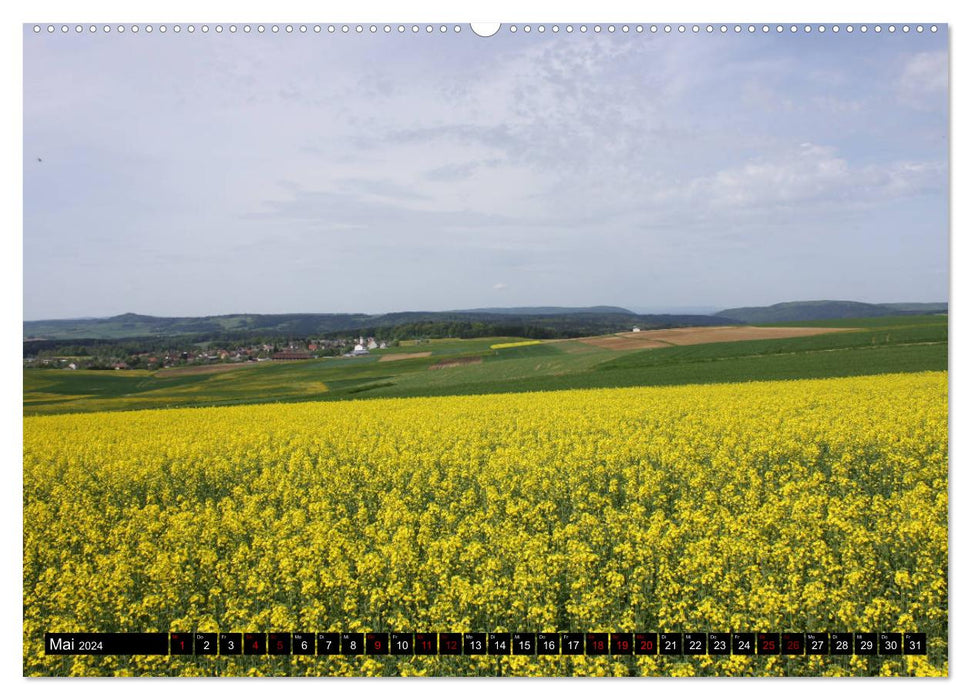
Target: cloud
x,y
380,188
924,79
452,172
810,175
500,285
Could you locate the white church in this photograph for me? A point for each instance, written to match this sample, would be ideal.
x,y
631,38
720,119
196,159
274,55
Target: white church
x,y
365,345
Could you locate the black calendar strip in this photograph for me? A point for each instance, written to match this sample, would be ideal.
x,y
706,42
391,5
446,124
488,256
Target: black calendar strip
x,y
487,643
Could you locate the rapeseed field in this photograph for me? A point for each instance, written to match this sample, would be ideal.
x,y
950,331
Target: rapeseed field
x,y
810,505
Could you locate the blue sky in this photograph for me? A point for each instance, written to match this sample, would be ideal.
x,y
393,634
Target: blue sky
x,y
204,174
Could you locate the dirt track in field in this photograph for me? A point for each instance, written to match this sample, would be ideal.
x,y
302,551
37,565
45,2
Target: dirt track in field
x,y
699,335
403,356
203,369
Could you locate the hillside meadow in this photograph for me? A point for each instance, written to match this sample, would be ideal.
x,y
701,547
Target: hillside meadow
x,y
502,365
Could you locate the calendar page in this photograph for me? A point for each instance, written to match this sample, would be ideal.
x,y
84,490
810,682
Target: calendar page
x,y
519,349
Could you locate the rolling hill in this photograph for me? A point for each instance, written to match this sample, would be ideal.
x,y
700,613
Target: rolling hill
x,y
495,365
544,321
794,311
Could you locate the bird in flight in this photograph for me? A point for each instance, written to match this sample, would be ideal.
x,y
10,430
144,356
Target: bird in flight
x,y
40,160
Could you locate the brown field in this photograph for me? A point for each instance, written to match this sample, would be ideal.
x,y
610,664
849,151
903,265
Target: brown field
x,y
699,335
456,362
617,342
403,356
203,369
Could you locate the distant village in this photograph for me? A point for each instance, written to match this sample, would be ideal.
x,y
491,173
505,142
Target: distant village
x,y
192,354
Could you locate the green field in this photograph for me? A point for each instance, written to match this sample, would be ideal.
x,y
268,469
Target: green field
x,y
882,345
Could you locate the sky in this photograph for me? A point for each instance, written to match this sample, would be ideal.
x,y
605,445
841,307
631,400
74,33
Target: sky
x,y
189,175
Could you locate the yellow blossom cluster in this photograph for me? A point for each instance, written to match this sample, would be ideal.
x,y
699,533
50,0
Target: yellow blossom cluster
x,y
516,344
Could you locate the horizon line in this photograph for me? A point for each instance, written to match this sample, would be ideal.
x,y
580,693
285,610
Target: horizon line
x,y
482,309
